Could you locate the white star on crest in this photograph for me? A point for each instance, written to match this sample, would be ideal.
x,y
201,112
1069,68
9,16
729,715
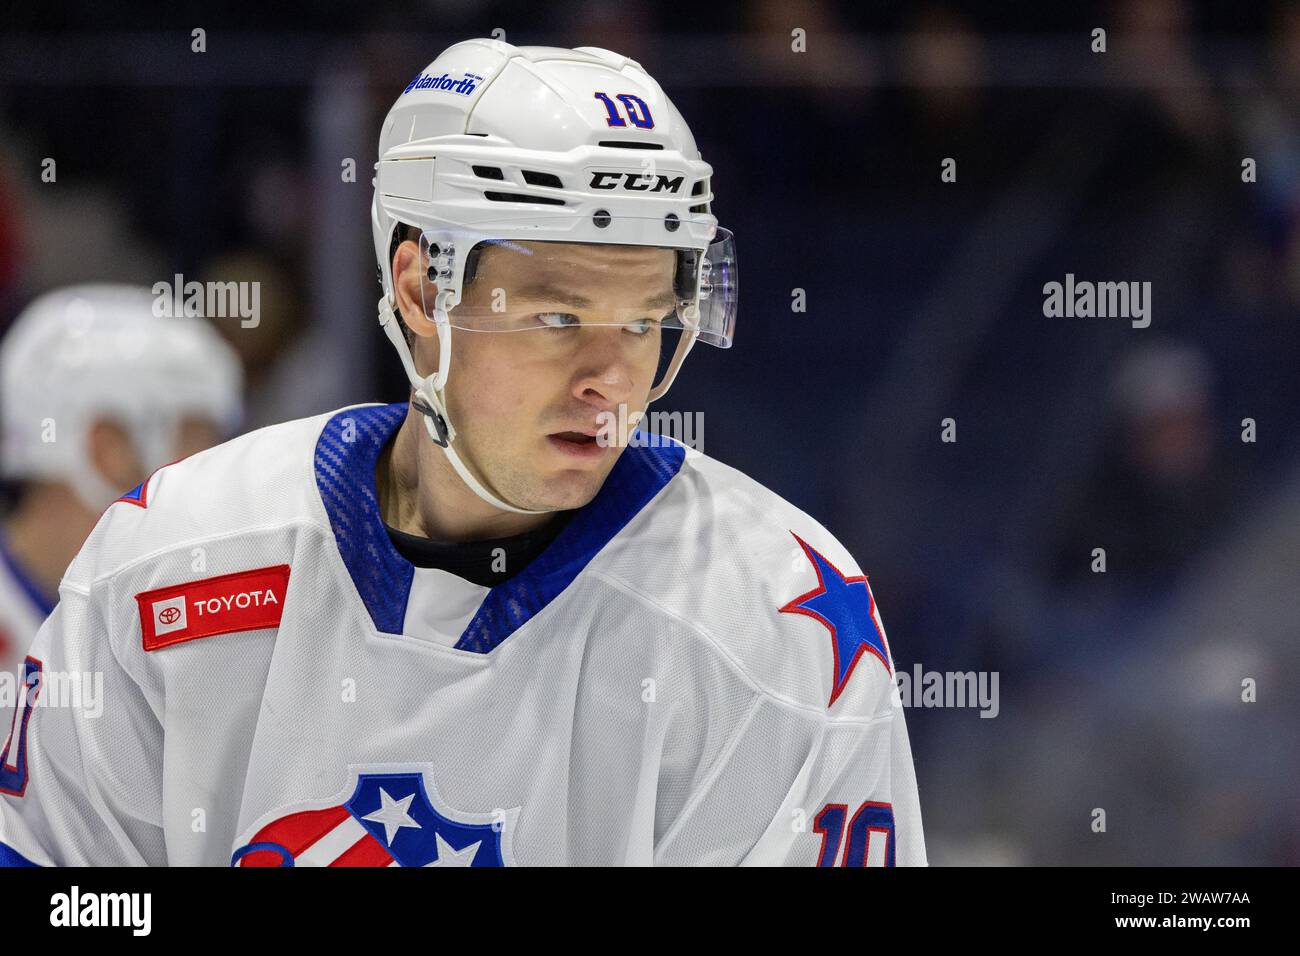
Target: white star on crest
x,y
392,814
449,857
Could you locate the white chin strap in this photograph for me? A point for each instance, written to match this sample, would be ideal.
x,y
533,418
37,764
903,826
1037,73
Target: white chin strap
x,y
430,403
434,403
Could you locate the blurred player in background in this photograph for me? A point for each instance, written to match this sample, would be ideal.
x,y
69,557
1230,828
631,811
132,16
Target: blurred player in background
x,y
96,392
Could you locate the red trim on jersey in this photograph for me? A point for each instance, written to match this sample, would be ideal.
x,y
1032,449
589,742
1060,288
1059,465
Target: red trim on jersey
x,y
143,500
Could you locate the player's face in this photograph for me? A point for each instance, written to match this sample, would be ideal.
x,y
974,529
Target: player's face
x,y
527,405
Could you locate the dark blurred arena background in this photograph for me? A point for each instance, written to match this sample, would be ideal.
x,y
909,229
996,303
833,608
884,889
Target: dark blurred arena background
x,y
1119,690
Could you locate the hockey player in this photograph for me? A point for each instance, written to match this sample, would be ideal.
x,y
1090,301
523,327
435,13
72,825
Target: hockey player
x,y
95,393
469,630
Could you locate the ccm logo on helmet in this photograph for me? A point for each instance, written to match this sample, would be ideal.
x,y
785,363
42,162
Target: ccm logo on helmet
x,y
244,601
637,182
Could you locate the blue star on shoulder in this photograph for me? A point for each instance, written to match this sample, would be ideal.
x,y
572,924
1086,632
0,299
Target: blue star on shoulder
x,y
846,607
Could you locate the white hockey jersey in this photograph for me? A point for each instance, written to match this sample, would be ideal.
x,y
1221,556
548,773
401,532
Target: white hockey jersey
x,y
692,672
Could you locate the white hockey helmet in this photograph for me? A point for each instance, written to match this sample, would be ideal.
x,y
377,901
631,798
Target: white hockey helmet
x,y
493,142
85,353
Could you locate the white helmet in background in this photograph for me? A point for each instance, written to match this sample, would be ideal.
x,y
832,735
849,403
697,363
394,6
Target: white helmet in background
x,y
85,353
493,142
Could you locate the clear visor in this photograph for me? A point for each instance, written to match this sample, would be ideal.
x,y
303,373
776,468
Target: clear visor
x,y
554,287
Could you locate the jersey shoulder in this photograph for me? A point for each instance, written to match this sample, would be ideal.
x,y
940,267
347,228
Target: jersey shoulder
x,y
766,584
259,483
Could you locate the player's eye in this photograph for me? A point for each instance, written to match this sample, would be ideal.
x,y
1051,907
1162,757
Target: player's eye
x,y
558,320
642,326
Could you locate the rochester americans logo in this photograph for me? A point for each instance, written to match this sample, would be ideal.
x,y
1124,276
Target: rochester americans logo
x,y
391,818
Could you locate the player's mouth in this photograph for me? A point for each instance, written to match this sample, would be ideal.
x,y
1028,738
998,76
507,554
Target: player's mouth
x,y
576,444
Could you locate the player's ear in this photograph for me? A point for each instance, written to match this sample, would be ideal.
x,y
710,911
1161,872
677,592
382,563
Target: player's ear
x,y
113,454
408,288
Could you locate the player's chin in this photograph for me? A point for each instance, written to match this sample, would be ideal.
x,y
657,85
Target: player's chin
x,y
568,488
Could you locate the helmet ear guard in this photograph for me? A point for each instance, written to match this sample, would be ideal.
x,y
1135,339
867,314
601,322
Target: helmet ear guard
x,y
471,262
686,280
402,233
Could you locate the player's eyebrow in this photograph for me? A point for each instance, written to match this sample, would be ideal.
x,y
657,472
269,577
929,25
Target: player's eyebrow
x,y
551,293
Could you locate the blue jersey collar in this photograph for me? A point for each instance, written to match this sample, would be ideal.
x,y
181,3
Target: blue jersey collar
x,y
346,454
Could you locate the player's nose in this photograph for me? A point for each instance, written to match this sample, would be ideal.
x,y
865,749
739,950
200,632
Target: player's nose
x,y
607,375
